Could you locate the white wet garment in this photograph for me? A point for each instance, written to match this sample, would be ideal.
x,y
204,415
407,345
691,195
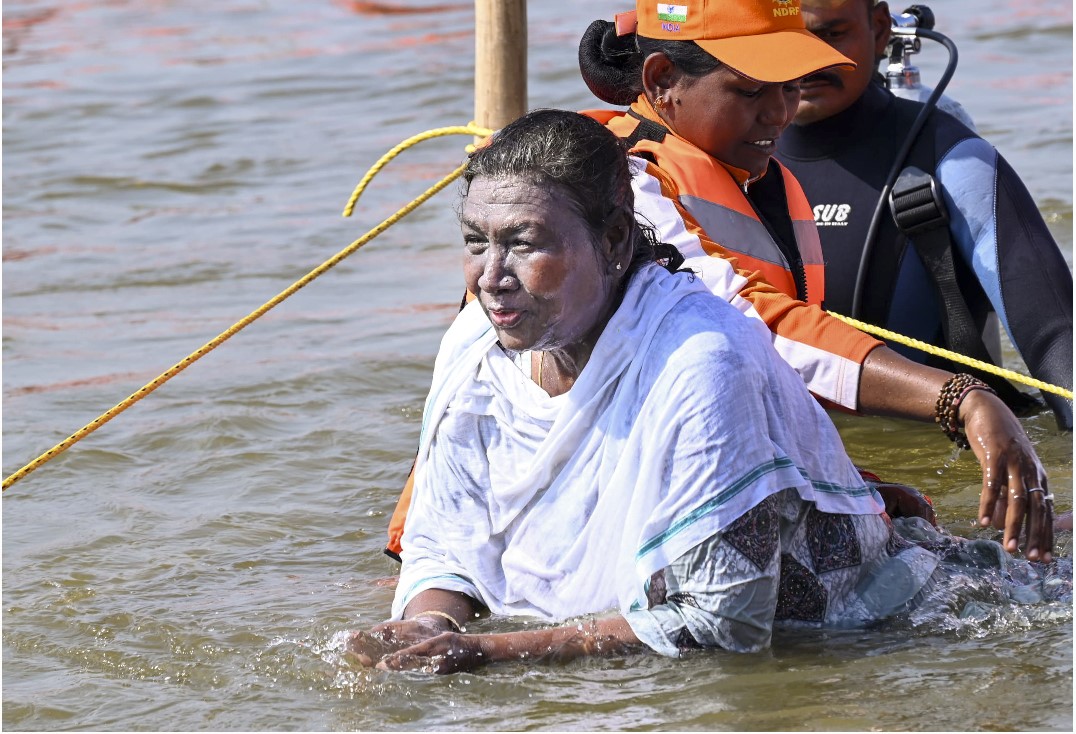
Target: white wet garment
x,y
683,419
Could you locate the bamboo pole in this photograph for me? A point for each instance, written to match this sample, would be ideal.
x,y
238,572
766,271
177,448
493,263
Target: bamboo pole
x,y
500,74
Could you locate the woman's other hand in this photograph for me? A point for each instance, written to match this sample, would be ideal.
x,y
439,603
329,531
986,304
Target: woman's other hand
x,y
370,646
449,652
904,501
454,652
1015,493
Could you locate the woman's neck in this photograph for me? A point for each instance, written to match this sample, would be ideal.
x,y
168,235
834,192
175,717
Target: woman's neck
x,y
556,369
555,372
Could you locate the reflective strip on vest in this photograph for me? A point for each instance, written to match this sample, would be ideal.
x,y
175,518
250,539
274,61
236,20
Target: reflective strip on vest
x,y
733,230
809,242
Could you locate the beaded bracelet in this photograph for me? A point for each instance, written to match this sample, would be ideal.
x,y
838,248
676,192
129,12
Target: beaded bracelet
x,y
443,615
947,408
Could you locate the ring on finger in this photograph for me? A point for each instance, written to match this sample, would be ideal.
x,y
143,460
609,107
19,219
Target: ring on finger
x,y
1037,489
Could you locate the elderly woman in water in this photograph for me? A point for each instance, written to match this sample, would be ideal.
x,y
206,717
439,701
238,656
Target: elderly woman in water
x,y
606,437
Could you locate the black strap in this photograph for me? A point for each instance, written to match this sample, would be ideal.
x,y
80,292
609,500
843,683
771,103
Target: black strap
x,y
919,211
645,130
920,214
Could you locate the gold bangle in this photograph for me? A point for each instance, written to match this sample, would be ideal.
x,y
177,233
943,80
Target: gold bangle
x,y
443,615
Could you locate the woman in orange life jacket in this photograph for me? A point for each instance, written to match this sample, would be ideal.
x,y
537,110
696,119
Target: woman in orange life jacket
x,y
711,85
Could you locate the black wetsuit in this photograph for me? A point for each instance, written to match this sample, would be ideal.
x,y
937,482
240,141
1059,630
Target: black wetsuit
x,y
1006,261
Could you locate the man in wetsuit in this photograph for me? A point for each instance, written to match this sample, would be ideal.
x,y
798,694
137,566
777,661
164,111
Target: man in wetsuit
x,y
847,134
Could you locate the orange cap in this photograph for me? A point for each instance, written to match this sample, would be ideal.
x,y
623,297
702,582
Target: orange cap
x,y
764,40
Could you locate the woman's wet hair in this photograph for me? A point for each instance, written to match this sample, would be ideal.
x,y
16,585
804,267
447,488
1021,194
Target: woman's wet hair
x,y
612,65
578,155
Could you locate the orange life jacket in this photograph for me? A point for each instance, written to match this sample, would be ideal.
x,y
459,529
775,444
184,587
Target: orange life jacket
x,y
399,518
708,190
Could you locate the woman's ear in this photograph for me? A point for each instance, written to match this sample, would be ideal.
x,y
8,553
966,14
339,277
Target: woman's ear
x,y
617,240
659,75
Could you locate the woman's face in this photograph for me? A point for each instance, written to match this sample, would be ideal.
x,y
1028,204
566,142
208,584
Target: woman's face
x,y
535,266
731,117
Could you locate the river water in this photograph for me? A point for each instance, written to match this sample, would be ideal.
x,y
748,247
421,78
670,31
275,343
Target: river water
x,y
172,165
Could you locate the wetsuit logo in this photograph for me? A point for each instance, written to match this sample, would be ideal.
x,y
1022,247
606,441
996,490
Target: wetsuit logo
x,y
832,215
785,8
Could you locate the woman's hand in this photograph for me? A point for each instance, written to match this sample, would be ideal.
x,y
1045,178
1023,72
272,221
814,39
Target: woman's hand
x,y
453,652
383,639
893,385
449,652
430,613
1015,492
903,501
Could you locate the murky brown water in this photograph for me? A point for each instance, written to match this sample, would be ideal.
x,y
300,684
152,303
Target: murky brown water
x,y
172,165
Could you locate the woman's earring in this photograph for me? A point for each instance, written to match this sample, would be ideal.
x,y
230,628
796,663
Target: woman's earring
x,y
659,103
618,266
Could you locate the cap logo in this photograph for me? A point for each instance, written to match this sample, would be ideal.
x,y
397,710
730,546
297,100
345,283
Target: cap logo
x,y
764,40
673,13
785,8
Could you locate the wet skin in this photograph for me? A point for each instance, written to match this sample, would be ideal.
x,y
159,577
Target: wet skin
x,y
544,278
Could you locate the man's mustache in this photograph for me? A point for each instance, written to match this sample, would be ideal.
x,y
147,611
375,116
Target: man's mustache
x,y
826,77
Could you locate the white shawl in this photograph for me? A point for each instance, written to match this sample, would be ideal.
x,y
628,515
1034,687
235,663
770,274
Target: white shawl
x,y
683,419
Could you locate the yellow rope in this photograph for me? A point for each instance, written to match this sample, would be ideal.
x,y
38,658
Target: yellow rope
x,y
468,129
958,358
209,346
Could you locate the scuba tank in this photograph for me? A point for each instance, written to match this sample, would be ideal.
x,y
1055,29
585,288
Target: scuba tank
x,y
901,75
